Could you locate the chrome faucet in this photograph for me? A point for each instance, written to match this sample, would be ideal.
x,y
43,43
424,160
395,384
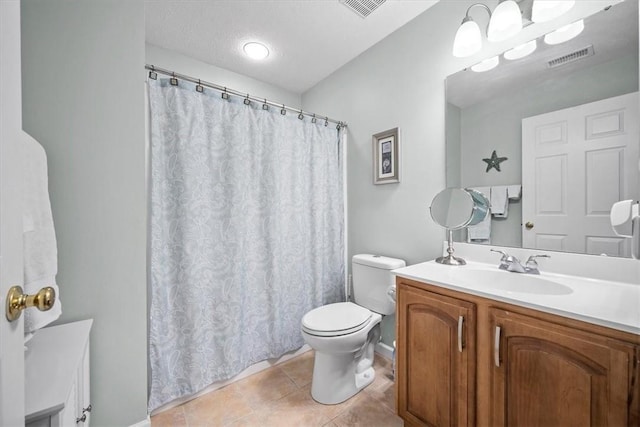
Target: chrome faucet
x,y
531,265
513,264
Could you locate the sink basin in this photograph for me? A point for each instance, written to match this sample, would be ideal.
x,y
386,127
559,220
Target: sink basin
x,y
515,282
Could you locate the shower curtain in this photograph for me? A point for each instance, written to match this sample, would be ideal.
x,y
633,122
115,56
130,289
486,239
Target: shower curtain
x,y
246,234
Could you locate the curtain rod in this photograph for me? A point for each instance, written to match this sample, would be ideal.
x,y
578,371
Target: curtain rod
x,y
153,70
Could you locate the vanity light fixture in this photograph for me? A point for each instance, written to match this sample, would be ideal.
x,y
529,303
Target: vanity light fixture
x,y
504,22
255,50
521,51
486,65
565,33
546,10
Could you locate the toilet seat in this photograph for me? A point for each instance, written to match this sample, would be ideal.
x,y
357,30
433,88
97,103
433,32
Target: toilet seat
x,y
341,318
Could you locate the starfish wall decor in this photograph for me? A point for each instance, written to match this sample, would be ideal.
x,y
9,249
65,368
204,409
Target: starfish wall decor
x,y
494,161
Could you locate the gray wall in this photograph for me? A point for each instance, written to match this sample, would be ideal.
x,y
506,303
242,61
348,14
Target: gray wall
x,y
398,82
174,61
479,123
83,99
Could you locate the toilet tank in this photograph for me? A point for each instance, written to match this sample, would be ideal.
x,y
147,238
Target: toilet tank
x,y
371,275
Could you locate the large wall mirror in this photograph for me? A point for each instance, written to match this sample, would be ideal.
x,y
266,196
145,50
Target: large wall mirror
x,y
566,119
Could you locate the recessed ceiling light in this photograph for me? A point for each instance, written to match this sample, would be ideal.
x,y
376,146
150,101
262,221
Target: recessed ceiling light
x,y
255,50
521,51
565,33
486,65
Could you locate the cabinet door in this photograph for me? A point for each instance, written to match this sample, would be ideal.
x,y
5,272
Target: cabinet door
x,y
436,359
548,375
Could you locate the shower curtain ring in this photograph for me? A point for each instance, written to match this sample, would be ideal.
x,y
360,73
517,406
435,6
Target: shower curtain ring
x,y
283,111
199,87
173,80
314,120
246,100
152,74
326,121
301,116
265,106
225,95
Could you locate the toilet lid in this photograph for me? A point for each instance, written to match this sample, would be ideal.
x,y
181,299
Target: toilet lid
x,y
336,319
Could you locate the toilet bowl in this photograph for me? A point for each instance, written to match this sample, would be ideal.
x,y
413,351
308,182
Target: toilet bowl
x,y
344,334
343,362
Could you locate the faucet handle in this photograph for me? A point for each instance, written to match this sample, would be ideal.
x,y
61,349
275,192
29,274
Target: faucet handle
x,y
504,254
532,263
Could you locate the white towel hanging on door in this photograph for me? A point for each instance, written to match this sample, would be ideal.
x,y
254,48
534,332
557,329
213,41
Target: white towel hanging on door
x,y
39,236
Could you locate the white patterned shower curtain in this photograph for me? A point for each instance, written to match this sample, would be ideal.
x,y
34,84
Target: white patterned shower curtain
x,y
246,234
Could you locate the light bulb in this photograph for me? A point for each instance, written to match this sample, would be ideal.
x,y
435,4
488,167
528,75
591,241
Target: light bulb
x,y
486,65
565,33
546,10
468,39
521,51
505,22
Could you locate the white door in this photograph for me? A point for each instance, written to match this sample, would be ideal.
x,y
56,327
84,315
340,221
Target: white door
x,y
12,409
576,163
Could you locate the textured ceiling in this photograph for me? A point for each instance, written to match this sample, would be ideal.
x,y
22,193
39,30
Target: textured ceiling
x,y
308,39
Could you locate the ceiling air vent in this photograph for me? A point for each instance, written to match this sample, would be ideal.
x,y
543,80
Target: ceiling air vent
x,y
362,7
571,57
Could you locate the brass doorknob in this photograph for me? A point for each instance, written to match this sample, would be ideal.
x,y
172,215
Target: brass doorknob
x,y
18,301
529,225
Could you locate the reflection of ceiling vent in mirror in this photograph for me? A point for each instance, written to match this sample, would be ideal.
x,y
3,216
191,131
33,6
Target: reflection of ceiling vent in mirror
x,y
571,57
362,7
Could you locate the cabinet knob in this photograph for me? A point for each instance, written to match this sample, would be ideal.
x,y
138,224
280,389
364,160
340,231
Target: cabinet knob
x,y
18,301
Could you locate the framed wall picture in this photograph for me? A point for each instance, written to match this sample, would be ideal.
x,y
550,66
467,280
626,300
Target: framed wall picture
x,y
386,157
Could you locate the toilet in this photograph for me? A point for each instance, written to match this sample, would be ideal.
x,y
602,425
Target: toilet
x,y
344,334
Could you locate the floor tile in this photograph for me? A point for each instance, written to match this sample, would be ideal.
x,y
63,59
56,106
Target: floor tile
x,y
281,397
266,387
368,412
300,369
295,409
174,417
217,408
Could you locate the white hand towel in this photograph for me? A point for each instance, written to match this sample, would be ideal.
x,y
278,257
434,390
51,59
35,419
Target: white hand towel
x,y
39,237
514,192
499,201
481,232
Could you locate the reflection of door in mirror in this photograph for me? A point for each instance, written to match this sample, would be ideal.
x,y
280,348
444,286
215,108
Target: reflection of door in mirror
x,y
576,163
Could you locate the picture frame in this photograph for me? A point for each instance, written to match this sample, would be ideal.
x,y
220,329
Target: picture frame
x,y
386,157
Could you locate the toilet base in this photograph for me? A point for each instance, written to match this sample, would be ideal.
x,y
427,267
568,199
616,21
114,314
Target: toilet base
x,y
331,385
338,377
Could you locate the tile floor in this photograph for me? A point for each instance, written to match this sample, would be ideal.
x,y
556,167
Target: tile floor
x,y
280,396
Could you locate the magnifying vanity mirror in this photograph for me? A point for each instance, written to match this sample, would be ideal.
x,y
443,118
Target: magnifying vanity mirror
x,y
454,209
566,118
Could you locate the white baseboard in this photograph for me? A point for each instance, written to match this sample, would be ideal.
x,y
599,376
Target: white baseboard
x,y
253,369
384,350
143,423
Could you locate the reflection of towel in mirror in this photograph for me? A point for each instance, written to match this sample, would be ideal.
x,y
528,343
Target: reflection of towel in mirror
x,y
39,237
514,191
499,201
481,232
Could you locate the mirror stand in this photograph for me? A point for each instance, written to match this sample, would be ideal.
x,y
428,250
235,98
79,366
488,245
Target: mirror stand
x,y
450,259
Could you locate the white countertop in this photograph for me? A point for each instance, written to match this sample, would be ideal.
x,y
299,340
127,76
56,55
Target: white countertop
x,y
607,303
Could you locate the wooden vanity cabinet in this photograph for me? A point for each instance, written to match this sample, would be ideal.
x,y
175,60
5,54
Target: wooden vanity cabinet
x,y
518,367
545,374
436,359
